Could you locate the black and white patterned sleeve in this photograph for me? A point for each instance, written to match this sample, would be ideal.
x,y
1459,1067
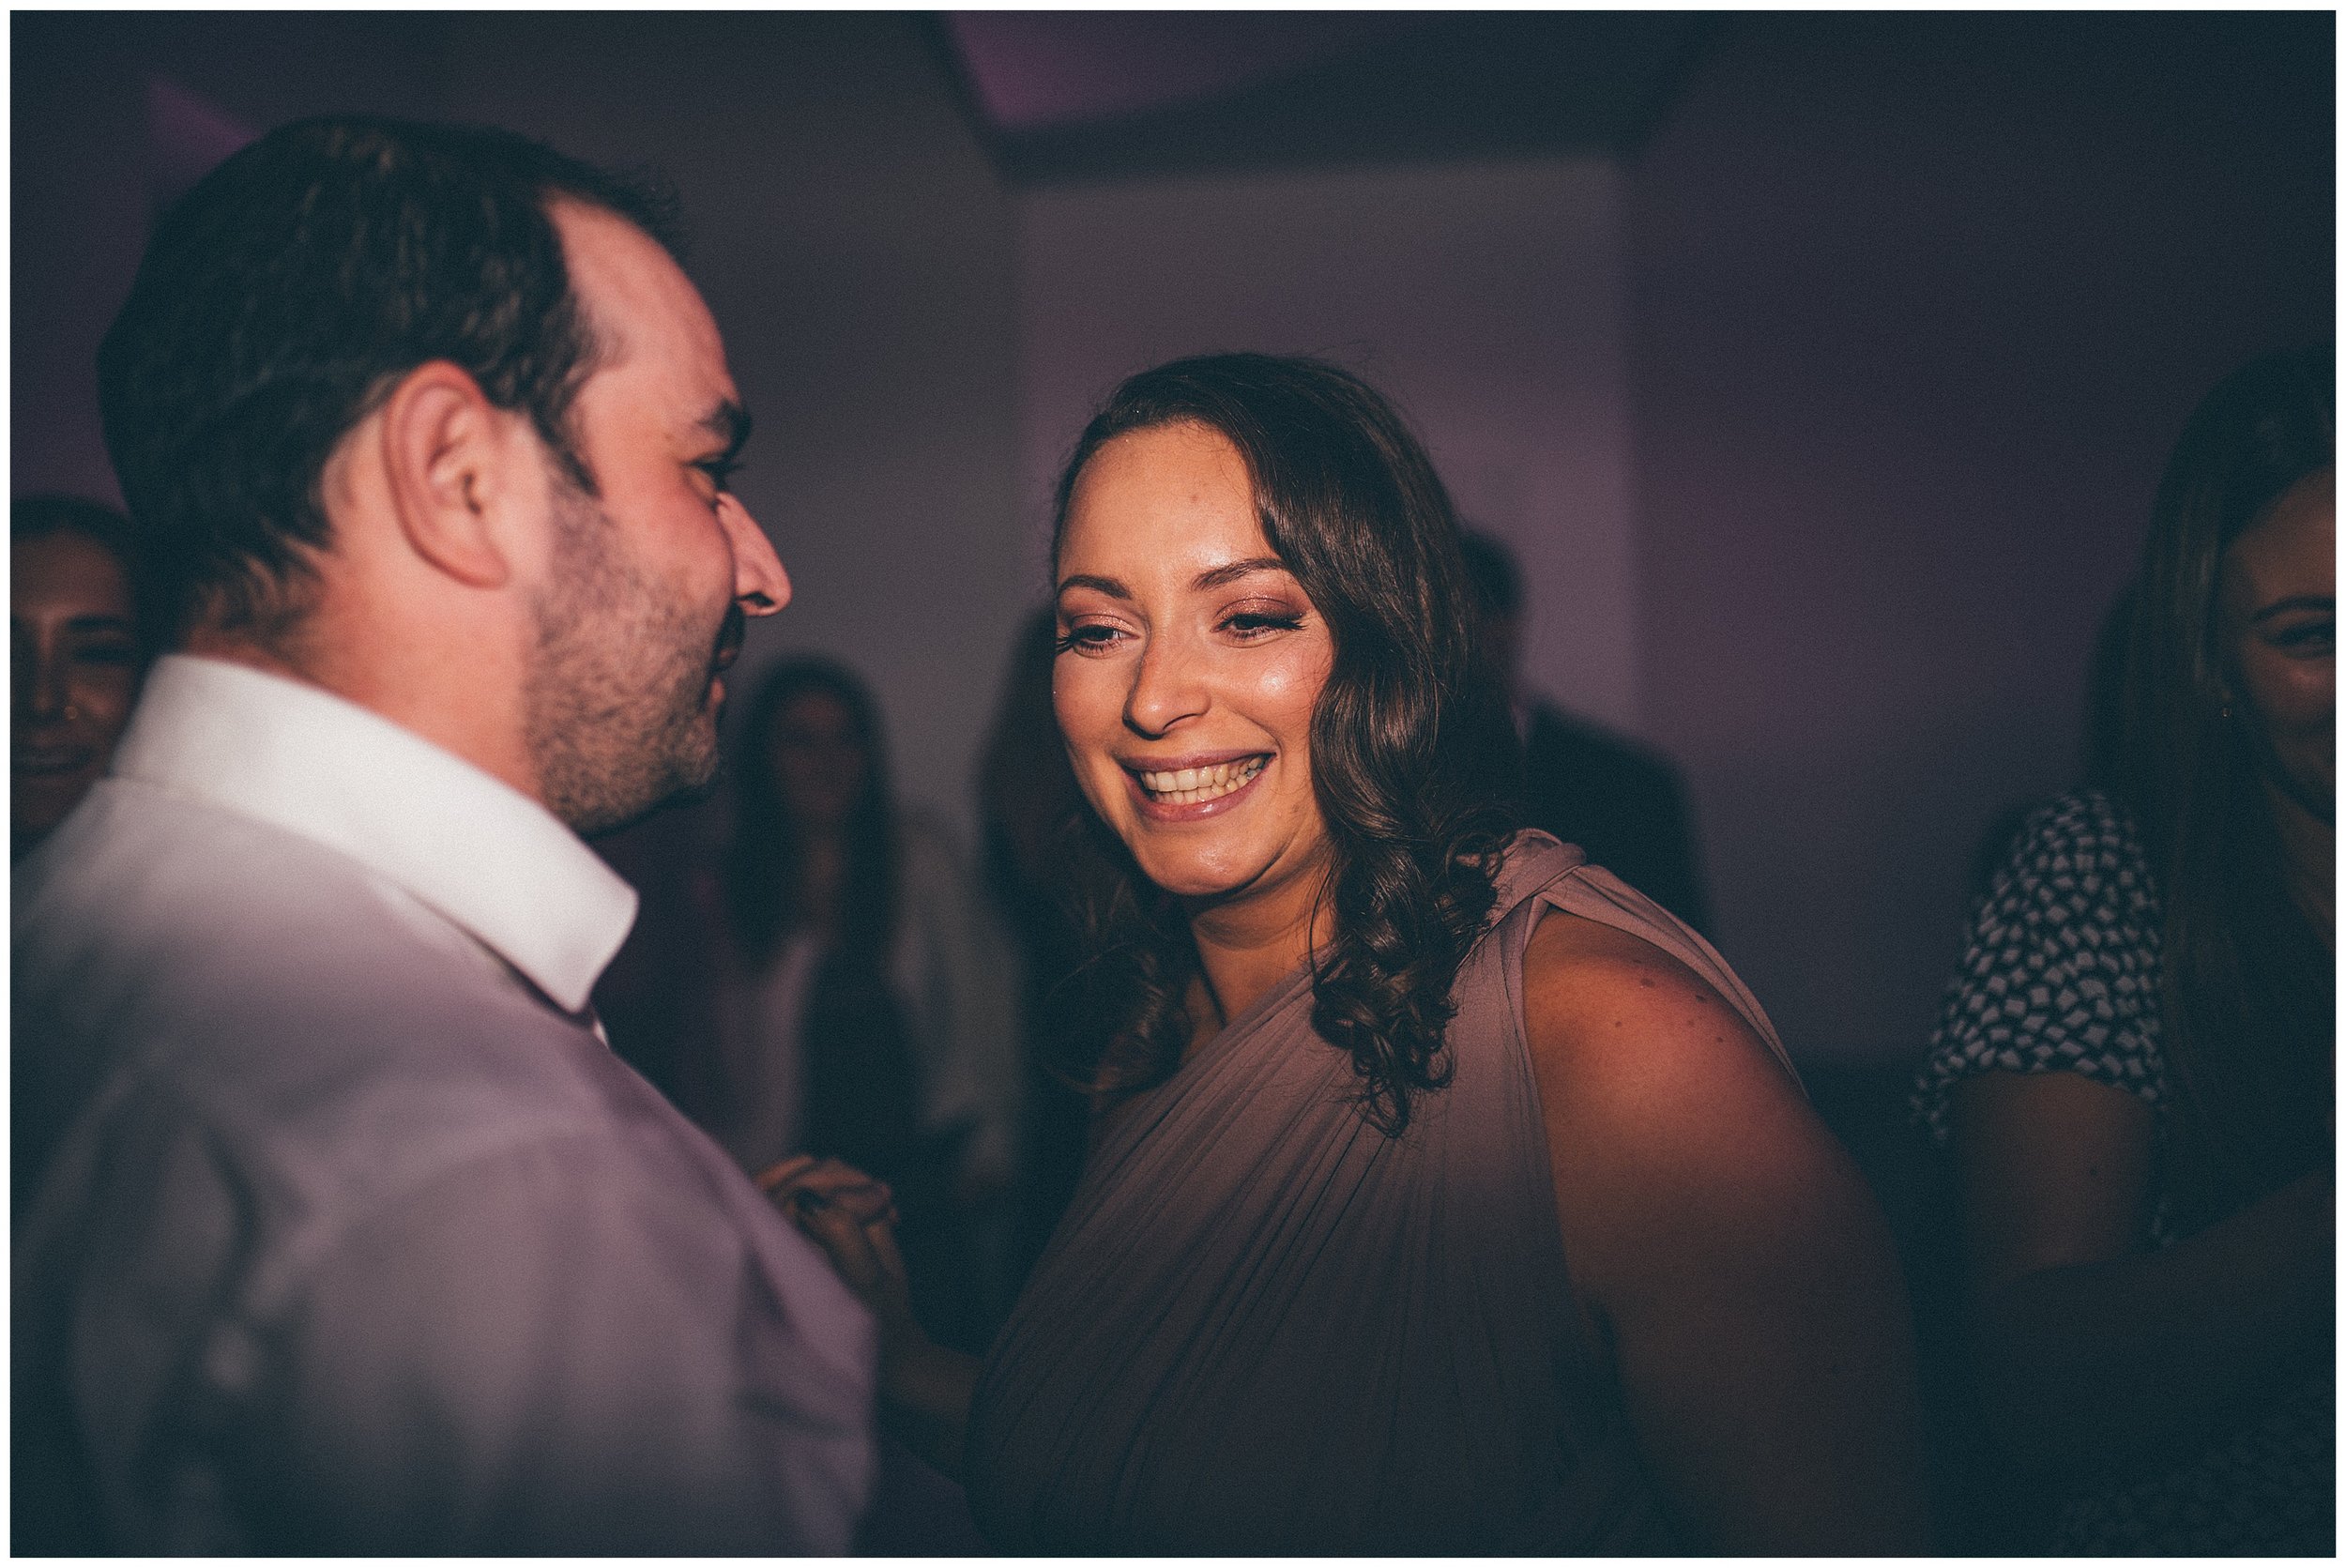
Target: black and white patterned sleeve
x,y
2061,971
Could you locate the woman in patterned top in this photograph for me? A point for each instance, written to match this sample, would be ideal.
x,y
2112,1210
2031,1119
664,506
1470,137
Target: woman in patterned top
x,y
2135,1065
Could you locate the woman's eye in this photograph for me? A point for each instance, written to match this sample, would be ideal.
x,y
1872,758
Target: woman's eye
x,y
1089,639
1256,624
2306,639
107,653
105,645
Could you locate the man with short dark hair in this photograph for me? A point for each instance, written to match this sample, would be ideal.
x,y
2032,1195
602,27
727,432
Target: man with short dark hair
x,y
338,1227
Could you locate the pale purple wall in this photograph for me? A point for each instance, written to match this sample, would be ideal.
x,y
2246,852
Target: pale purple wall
x,y
1486,298
1826,427
1918,304
89,158
856,248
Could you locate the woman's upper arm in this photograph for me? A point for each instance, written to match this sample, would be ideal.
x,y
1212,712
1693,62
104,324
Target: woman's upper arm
x,y
2046,1045
1731,1252
2054,1170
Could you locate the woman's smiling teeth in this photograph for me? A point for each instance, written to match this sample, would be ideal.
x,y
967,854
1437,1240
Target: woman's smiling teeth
x,y
1189,786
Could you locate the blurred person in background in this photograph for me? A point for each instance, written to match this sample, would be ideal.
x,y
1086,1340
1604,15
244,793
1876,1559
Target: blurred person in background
x,y
2134,1068
869,1012
78,648
1622,802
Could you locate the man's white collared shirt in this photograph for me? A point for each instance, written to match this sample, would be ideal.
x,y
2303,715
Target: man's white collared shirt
x,y
336,1226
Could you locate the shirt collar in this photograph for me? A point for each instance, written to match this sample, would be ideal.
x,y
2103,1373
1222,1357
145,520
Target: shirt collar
x,y
485,856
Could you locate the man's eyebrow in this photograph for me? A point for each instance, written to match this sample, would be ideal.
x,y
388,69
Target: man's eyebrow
x,y
2296,602
728,422
1222,576
1108,585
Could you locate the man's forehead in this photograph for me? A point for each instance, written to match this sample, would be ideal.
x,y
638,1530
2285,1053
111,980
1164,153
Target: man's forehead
x,y
634,293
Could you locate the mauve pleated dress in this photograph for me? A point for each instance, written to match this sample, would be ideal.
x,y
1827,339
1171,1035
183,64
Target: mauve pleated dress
x,y
1264,1328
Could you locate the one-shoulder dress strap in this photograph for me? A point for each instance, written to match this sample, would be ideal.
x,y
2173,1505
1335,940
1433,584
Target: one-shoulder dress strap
x,y
1541,868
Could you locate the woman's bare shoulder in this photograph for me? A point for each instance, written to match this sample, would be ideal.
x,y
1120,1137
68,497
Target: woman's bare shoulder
x,y
1726,1247
1605,1003
1656,1096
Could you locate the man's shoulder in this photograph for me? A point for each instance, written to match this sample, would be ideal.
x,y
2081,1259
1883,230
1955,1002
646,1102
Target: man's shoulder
x,y
150,898
225,973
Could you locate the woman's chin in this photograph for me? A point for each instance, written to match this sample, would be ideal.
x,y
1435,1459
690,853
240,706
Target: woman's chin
x,y
1201,878
1196,887
1204,875
41,800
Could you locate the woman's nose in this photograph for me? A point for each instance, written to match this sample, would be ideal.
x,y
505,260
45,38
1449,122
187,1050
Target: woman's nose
x,y
1168,686
44,690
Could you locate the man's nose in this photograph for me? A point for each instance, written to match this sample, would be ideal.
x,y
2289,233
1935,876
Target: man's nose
x,y
759,583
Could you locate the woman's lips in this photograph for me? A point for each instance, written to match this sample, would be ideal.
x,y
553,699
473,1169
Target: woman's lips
x,y
26,763
1197,791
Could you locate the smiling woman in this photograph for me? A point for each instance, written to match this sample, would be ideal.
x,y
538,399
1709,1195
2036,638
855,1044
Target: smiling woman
x,y
1259,577
2135,1067
77,647
1444,1194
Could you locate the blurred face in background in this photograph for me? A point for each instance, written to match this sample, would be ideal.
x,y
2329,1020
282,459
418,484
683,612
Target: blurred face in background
x,y
1190,665
75,659
2279,617
820,760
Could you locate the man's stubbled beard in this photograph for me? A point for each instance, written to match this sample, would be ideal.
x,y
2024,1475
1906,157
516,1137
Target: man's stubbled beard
x,y
615,710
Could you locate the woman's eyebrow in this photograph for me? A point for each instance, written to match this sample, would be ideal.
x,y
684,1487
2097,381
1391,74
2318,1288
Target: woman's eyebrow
x,y
1108,585
2296,602
1222,576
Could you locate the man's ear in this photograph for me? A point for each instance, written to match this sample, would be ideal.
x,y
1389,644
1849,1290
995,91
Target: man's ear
x,y
455,469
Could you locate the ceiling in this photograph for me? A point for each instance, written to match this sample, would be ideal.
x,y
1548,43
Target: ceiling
x,y
1072,96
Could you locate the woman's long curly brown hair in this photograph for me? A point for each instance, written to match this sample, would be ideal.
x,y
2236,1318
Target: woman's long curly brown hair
x,y
2247,984
1411,743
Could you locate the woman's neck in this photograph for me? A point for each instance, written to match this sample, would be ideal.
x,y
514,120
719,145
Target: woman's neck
x,y
1247,946
2310,858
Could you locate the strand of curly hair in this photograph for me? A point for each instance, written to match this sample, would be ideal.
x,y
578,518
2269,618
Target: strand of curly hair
x,y
1410,891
